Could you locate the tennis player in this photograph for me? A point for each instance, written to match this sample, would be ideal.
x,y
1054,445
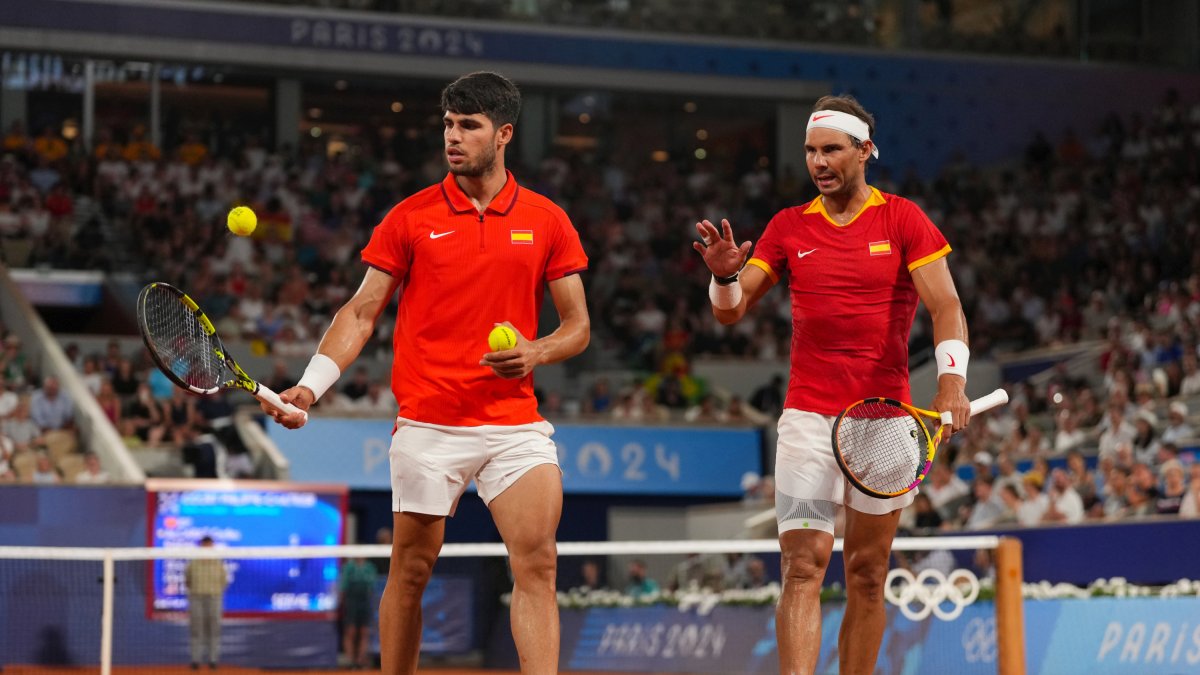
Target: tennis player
x,y
857,262
471,252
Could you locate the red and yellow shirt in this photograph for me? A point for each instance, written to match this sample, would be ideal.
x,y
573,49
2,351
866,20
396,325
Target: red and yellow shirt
x,y
463,271
853,296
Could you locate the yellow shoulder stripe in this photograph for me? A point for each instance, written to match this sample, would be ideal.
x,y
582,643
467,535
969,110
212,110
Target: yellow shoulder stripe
x,y
945,250
762,265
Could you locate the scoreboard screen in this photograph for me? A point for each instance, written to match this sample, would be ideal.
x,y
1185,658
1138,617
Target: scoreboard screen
x,y
244,513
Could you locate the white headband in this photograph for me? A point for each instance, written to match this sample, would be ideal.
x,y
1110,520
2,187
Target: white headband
x,y
844,122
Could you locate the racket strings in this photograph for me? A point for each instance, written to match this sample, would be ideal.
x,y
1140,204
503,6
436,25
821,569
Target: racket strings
x,y
180,341
882,446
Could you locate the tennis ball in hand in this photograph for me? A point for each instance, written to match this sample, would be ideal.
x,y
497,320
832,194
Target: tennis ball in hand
x,y
242,221
501,338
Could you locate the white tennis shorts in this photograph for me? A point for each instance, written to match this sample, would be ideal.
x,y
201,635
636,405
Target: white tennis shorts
x,y
809,486
433,464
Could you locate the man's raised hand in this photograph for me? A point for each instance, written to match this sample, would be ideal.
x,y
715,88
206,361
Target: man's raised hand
x,y
721,253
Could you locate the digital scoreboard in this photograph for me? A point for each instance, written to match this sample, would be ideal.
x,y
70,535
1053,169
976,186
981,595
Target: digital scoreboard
x,y
248,513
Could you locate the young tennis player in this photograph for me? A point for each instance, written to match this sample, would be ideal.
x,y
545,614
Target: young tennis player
x,y
857,261
466,254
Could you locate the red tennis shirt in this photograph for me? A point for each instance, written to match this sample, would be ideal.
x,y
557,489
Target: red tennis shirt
x,y
853,296
462,272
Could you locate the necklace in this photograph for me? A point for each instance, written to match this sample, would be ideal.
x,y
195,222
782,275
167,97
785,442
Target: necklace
x,y
842,218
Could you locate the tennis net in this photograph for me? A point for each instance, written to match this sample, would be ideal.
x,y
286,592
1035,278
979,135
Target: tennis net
x,y
127,610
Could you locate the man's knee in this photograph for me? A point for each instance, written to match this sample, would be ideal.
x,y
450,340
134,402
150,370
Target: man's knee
x,y
865,575
410,572
804,566
534,562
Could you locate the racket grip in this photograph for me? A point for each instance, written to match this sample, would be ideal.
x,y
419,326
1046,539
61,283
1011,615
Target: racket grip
x,y
272,399
992,400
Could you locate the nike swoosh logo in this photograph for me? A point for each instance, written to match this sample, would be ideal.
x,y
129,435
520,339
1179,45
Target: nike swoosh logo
x,y
801,254
821,117
433,235
951,357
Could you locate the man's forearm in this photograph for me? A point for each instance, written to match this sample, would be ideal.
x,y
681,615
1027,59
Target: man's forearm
x,y
570,338
346,337
949,323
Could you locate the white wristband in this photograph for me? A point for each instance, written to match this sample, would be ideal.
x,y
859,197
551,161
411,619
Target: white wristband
x,y
952,357
320,375
724,297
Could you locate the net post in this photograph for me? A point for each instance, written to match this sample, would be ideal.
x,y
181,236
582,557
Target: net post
x,y
1010,612
106,615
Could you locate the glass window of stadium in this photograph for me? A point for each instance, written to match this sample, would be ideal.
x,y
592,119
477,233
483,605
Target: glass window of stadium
x,y
731,134
226,107
373,117
370,117
201,99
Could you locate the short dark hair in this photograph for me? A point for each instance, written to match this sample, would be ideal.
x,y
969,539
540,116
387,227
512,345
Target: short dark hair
x,y
206,539
486,93
849,105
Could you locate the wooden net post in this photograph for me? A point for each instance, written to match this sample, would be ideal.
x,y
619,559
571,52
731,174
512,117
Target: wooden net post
x,y
1010,612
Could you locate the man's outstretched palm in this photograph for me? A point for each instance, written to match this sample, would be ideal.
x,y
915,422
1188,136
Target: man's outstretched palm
x,y
722,255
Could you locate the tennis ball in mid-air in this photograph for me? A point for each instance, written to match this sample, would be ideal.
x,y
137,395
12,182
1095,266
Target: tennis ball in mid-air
x,y
242,221
501,338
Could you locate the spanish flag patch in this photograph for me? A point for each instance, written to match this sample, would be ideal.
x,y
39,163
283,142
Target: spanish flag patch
x,y
521,236
880,247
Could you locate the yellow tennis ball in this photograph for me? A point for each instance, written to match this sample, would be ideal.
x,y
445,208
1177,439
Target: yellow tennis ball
x,y
242,221
501,338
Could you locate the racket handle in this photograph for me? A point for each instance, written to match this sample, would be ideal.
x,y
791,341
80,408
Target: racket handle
x,y
992,400
272,399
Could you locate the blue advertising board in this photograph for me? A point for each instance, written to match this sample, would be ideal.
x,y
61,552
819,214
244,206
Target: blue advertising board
x,y
1099,636
595,459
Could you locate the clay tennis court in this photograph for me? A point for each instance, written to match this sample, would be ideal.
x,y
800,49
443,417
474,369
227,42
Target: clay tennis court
x,y
237,670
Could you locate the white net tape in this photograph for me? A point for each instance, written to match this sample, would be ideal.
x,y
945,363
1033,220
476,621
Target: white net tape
x,y
574,548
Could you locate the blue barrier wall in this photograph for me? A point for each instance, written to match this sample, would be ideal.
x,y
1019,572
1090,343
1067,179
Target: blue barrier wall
x,y
1101,636
1146,552
50,614
72,516
1157,552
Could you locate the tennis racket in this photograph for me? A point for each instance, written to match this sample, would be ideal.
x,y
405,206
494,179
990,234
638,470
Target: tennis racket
x,y
884,446
185,347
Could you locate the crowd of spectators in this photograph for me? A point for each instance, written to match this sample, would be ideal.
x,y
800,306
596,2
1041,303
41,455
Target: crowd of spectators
x,y
1069,239
1108,231
38,440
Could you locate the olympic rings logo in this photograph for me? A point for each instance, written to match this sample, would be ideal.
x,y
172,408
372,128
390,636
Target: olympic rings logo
x,y
926,593
979,640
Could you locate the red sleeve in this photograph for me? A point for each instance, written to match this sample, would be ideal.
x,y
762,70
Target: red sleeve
x,y
389,248
769,255
921,241
566,252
